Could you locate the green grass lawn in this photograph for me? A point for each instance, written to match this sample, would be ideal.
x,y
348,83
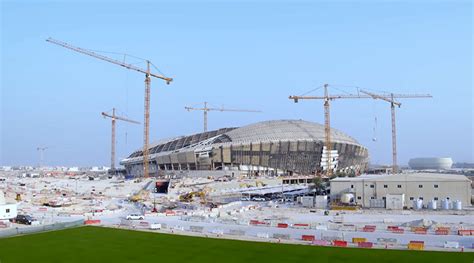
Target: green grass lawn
x,y
96,244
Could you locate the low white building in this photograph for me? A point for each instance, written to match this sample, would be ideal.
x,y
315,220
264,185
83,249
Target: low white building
x,y
7,210
401,190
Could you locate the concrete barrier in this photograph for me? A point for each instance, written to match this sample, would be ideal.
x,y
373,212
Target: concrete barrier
x,y
281,236
317,242
197,229
235,232
387,241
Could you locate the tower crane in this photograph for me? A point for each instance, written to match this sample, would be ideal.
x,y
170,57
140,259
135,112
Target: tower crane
x,y
148,75
327,125
206,109
114,118
391,99
41,152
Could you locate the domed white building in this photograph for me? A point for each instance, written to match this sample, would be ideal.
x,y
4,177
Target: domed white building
x,y
276,146
430,163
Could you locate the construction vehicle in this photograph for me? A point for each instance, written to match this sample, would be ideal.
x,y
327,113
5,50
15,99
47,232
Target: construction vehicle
x,y
188,197
244,185
327,127
206,109
148,75
258,182
114,117
141,195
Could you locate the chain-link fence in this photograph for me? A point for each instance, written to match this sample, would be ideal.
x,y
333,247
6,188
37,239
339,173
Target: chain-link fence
x,y
13,231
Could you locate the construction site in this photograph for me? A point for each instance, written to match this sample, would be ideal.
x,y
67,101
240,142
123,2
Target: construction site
x,y
278,180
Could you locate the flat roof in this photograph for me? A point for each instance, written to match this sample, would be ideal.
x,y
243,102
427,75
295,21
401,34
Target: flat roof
x,y
410,177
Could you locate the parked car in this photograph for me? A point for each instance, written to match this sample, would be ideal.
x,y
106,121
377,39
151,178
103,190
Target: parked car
x,y
258,199
24,219
135,217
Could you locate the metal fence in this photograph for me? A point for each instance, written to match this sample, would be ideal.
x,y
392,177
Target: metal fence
x,y
13,231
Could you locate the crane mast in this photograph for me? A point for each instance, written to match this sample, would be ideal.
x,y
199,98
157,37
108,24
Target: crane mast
x,y
148,75
391,99
367,95
114,118
206,109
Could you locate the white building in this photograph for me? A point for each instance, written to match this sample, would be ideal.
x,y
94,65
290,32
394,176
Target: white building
x,y
7,210
402,189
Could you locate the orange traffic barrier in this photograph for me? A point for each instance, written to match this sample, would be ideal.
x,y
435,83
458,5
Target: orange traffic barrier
x,y
339,243
416,245
441,232
365,244
308,237
465,232
359,239
91,222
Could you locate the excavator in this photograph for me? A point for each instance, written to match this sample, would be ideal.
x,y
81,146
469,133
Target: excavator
x,y
258,182
188,197
139,196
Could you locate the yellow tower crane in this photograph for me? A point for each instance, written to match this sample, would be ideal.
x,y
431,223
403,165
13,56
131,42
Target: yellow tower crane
x,y
206,109
390,98
148,75
114,118
327,125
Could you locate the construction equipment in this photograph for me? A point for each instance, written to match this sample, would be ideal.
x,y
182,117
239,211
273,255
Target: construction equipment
x,y
140,196
114,117
148,75
206,109
188,197
327,127
390,98
258,182
41,152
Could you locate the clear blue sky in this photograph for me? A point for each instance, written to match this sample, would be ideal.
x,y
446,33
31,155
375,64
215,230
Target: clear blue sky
x,y
241,55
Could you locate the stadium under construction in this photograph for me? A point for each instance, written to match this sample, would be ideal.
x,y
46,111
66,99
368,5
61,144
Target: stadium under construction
x,y
264,148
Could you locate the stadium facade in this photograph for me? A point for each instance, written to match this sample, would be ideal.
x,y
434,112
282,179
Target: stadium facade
x,y
269,147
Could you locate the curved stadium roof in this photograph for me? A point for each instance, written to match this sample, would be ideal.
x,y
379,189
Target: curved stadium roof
x,y
275,130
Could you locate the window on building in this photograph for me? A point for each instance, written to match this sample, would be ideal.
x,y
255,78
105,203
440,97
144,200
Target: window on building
x,y
372,186
436,198
421,198
435,186
8,210
399,186
420,186
412,198
352,186
358,198
372,197
384,198
385,186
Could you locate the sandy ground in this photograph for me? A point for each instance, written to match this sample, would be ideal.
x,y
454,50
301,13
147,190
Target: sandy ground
x,y
106,200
